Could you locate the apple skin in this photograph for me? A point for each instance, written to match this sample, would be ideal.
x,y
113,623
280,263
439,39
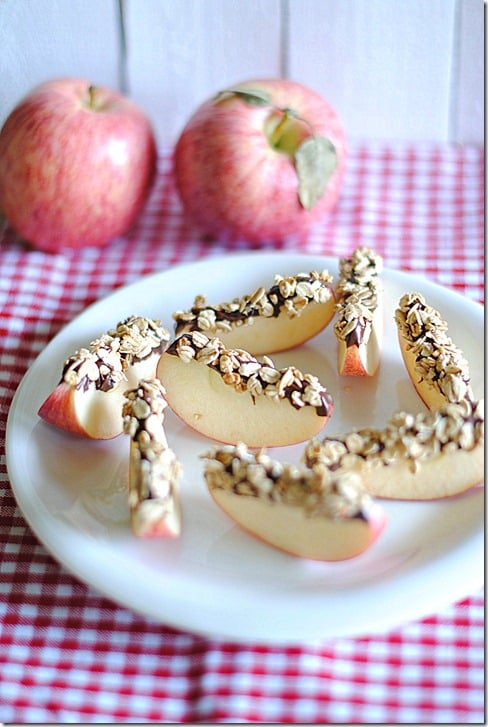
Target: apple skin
x,y
72,174
288,528
302,512
445,475
360,324
92,414
250,329
60,410
234,184
406,460
434,390
363,359
272,335
201,398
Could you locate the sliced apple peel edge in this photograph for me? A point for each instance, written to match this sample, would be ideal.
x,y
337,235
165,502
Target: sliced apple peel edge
x,y
268,406
425,456
437,367
88,399
430,455
302,512
405,460
360,309
260,321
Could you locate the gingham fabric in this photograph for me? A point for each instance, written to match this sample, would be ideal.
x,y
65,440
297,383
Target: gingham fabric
x,y
69,655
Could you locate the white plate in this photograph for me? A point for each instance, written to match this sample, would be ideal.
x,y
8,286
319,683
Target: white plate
x,y
217,580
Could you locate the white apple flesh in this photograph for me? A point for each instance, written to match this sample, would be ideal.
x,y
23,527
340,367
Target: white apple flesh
x,y
87,412
288,528
89,397
228,408
77,163
271,335
287,314
428,456
306,518
235,161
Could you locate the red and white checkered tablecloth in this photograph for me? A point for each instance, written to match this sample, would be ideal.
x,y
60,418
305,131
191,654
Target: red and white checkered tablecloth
x,y
67,654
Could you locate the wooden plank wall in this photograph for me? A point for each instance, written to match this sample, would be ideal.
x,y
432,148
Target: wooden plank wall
x,y
399,70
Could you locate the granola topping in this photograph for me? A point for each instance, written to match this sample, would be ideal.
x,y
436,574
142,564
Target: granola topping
x,y
413,437
357,293
107,358
156,464
243,372
254,474
437,360
289,295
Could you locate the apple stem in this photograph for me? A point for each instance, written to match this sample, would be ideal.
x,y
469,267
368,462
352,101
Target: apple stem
x,y
261,98
91,96
276,137
277,131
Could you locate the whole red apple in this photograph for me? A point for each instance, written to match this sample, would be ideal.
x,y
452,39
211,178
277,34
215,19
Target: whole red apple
x,y
262,160
77,162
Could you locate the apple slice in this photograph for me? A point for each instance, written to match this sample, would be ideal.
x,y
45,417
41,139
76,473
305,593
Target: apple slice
x,y
89,397
359,327
291,311
154,471
230,396
416,457
308,514
436,367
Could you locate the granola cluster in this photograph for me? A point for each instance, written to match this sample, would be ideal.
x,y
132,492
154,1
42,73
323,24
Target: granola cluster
x,y
139,337
289,295
438,361
255,474
244,373
107,358
410,437
357,293
154,468
143,415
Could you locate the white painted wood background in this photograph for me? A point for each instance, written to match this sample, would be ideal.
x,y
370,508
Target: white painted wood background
x,y
397,70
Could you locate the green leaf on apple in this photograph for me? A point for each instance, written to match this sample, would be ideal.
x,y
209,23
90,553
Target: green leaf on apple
x,y
253,97
315,162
